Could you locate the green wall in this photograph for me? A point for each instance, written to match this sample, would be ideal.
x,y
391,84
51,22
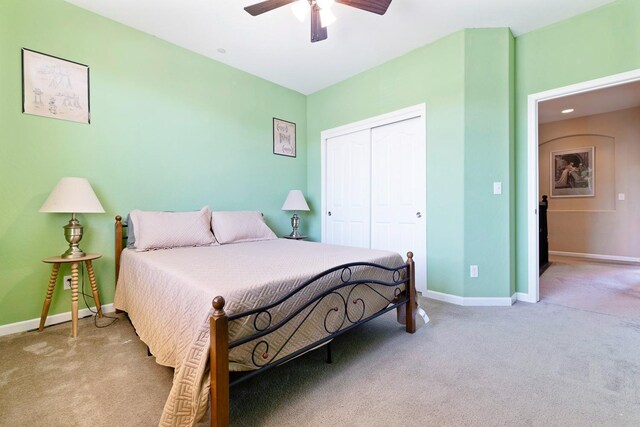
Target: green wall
x,y
596,44
489,56
170,130
477,131
173,130
464,79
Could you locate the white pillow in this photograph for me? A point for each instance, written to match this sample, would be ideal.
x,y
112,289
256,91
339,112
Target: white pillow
x,y
240,226
163,230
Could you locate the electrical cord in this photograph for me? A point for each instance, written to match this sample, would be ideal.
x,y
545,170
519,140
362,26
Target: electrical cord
x,y
95,313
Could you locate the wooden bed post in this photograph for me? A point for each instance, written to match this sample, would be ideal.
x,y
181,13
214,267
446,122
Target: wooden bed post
x,y
118,250
118,245
219,365
412,303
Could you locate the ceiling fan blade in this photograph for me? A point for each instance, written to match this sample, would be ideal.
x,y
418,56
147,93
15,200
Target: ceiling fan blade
x,y
266,6
318,33
375,6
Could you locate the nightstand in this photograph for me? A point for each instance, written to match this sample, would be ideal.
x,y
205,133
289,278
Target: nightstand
x,y
296,238
56,261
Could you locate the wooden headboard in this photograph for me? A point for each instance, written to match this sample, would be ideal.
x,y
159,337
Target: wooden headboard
x,y
121,239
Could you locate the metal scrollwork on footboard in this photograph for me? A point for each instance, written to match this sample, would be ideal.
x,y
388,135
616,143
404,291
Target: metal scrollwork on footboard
x,y
335,318
336,304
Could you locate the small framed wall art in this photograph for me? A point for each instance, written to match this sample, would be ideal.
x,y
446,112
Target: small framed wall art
x,y
284,138
573,172
54,87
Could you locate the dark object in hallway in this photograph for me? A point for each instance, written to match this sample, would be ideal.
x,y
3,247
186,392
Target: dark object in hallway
x,y
543,241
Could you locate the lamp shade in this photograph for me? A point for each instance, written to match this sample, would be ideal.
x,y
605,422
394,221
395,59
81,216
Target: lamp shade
x,y
72,195
295,202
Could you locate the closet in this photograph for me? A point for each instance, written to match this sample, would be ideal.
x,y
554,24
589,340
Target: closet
x,y
374,186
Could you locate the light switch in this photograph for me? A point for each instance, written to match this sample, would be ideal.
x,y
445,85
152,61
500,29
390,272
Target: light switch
x,y
473,271
497,188
620,196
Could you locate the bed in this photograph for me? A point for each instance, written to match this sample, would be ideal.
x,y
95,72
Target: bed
x,y
248,307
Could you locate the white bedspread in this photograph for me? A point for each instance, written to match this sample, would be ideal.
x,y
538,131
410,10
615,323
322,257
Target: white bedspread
x,y
167,295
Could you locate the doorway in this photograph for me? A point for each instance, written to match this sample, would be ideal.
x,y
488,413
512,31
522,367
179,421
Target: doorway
x,y
374,185
534,113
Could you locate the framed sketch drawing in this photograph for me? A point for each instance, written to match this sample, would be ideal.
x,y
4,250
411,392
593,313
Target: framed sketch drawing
x,y
54,87
573,172
284,138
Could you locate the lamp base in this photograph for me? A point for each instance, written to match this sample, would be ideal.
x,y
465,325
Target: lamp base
x,y
295,222
73,234
72,253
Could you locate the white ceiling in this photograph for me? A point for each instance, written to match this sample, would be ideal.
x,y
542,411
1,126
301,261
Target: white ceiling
x,y
276,46
588,103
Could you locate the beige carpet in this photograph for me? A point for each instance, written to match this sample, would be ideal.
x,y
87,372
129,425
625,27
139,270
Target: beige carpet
x,y
612,289
546,364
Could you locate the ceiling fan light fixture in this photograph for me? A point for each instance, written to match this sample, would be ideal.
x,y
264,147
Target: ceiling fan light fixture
x,y
300,9
320,10
326,17
325,4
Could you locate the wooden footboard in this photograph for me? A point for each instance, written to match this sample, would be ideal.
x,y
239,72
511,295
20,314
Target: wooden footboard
x,y
220,345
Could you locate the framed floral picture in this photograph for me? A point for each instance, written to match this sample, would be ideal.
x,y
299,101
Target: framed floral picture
x,y
573,172
54,87
284,138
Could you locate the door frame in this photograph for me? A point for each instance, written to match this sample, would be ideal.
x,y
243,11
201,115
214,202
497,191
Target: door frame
x,y
416,111
533,282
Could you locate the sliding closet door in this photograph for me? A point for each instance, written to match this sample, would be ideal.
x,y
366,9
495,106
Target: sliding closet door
x,y
348,177
398,191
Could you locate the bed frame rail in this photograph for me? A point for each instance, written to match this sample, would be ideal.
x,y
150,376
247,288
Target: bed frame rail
x,y
338,305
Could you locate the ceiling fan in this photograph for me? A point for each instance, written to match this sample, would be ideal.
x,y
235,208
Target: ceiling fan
x,y
321,15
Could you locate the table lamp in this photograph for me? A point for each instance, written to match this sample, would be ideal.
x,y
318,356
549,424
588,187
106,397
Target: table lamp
x,y
295,202
72,195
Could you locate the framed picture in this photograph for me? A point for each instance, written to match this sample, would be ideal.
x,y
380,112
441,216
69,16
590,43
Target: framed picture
x,y
284,138
573,172
54,87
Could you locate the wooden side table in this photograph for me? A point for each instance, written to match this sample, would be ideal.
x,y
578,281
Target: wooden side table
x,y
56,261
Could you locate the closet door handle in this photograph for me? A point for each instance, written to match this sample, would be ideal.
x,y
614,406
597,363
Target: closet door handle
x,y
329,213
418,214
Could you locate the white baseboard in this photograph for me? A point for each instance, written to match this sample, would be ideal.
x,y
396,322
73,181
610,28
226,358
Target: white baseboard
x,y
28,325
451,299
521,296
595,256
472,301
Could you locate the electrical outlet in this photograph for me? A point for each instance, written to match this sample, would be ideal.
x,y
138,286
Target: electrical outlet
x,y
67,282
473,271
